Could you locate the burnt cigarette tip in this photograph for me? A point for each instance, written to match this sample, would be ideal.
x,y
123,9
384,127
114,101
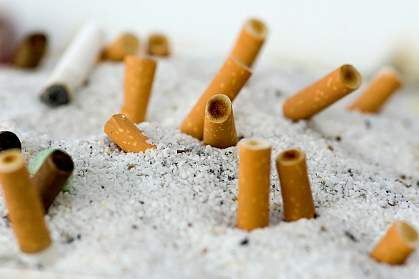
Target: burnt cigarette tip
x,y
219,108
350,76
55,95
9,140
62,161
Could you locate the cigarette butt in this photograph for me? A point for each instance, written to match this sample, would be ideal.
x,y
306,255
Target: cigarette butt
x,y
139,76
229,81
251,39
322,93
219,127
9,140
397,244
297,199
125,44
25,209
52,175
126,135
254,184
30,50
158,45
381,88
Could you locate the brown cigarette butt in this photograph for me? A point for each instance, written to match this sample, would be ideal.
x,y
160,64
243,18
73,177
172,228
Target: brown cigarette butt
x,y
297,199
380,89
23,203
397,244
139,76
52,175
322,93
125,44
251,39
219,127
126,135
254,184
30,50
229,80
158,45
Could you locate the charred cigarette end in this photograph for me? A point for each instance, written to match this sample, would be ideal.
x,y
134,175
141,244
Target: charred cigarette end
x,y
400,240
350,76
158,45
126,44
219,108
56,95
9,140
30,50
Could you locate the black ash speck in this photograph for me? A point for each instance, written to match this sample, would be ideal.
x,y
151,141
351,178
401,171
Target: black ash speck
x,y
349,235
244,242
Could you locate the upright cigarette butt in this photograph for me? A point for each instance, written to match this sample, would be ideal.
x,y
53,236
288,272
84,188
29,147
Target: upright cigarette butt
x,y
139,77
125,44
381,88
322,93
126,135
30,50
229,81
397,244
52,175
219,127
251,39
254,184
158,45
9,140
25,209
295,186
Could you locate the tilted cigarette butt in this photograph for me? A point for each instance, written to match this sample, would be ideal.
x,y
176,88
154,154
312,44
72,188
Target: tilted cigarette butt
x,y
297,199
397,244
30,50
219,127
74,66
229,81
381,88
23,203
126,135
251,39
139,77
125,44
254,184
158,45
52,175
322,93
9,140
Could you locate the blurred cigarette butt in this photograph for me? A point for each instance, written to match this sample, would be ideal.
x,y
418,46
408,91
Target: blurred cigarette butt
x,y
30,50
158,45
380,89
219,127
9,140
295,185
251,39
23,203
125,44
254,184
126,135
139,77
229,81
322,93
52,175
397,244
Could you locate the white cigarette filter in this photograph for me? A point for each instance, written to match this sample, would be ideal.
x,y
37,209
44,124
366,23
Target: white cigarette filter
x,y
74,66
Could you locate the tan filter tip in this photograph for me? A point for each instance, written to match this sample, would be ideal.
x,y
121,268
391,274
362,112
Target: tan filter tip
x,y
158,45
350,76
125,44
256,27
11,160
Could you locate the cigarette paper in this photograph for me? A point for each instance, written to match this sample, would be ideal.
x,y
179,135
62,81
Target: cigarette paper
x,y
297,199
229,81
9,140
158,45
125,44
123,132
219,127
74,66
254,184
23,203
139,77
322,93
30,50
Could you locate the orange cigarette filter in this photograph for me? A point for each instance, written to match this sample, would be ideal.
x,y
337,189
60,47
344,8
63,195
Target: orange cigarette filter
x,y
322,93
126,135
297,199
158,45
125,44
23,203
254,184
251,39
397,244
229,81
219,127
139,77
382,87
